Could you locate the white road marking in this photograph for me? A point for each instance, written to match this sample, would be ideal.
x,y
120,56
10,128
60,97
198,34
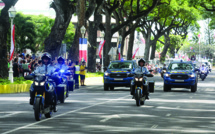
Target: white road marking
x,y
109,117
168,114
73,111
154,126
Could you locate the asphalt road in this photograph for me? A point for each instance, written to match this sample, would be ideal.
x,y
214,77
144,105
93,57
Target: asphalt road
x,y
92,110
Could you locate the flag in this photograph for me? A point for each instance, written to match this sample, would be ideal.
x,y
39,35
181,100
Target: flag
x,y
12,43
82,49
143,40
199,38
119,48
135,53
101,44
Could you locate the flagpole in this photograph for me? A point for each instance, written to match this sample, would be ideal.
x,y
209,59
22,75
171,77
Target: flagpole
x,y
11,66
102,61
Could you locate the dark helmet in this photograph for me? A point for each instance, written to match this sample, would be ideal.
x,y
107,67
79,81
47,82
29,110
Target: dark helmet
x,y
60,58
141,60
46,55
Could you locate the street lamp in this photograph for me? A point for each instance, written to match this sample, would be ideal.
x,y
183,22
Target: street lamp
x,y
83,30
12,14
102,34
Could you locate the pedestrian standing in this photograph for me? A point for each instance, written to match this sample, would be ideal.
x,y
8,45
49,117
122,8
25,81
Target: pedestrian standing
x,y
15,68
77,71
82,73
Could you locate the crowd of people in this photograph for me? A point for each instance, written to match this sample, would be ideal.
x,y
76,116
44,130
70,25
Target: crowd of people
x,y
25,64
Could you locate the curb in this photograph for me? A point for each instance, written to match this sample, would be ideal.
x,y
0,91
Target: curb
x,y
16,88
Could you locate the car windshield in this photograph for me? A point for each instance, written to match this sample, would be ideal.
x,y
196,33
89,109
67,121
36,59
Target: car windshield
x,y
120,65
180,66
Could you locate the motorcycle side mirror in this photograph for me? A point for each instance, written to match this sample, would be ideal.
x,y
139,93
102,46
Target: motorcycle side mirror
x,y
196,70
149,75
150,70
29,77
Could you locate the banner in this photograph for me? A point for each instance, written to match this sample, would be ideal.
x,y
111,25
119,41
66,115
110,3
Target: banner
x,y
12,43
119,49
101,44
135,53
82,49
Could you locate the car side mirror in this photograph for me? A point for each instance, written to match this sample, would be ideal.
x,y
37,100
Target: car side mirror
x,y
105,69
149,75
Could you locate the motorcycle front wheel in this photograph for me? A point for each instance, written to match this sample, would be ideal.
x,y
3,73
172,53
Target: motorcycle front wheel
x,y
138,95
37,109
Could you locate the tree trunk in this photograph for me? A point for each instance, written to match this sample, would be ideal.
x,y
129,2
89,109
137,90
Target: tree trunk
x,y
108,36
64,11
4,30
165,49
74,51
93,27
123,40
130,46
153,50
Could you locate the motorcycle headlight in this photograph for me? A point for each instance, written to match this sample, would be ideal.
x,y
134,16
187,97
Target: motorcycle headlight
x,y
36,83
61,71
42,83
106,74
192,75
167,75
136,79
141,79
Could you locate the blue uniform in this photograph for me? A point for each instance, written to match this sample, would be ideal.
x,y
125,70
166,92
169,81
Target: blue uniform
x,y
62,66
45,69
143,69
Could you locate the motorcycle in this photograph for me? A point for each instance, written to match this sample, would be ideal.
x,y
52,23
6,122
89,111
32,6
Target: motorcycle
x,y
163,72
62,88
44,99
203,75
141,85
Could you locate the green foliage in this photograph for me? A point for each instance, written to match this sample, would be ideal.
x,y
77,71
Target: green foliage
x,y
17,80
175,41
97,74
69,36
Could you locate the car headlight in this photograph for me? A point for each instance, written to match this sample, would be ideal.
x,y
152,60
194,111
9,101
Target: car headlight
x,y
36,83
192,75
167,75
106,74
42,83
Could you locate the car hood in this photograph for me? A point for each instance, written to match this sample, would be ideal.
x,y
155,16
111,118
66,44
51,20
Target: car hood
x,y
180,72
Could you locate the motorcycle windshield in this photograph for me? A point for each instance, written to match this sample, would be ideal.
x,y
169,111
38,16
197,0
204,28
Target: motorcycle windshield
x,y
40,78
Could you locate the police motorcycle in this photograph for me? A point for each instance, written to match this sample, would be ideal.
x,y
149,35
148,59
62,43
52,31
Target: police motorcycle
x,y
62,86
140,85
203,74
44,98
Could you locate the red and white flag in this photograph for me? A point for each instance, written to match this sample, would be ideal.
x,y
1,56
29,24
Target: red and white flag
x,y
119,50
135,53
199,38
12,43
82,49
143,40
101,44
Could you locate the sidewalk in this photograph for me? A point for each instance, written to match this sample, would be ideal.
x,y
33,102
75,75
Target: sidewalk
x,y
94,81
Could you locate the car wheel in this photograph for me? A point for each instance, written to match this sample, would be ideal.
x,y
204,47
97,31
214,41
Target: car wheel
x,y
194,88
106,88
166,88
112,88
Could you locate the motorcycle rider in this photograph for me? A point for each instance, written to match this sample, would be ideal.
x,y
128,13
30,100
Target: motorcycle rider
x,y
61,64
203,68
141,68
45,68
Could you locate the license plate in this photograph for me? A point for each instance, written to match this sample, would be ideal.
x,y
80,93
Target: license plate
x,y
118,79
179,80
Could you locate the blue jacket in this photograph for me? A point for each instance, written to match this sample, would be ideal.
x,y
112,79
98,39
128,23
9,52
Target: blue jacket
x,y
144,70
42,69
